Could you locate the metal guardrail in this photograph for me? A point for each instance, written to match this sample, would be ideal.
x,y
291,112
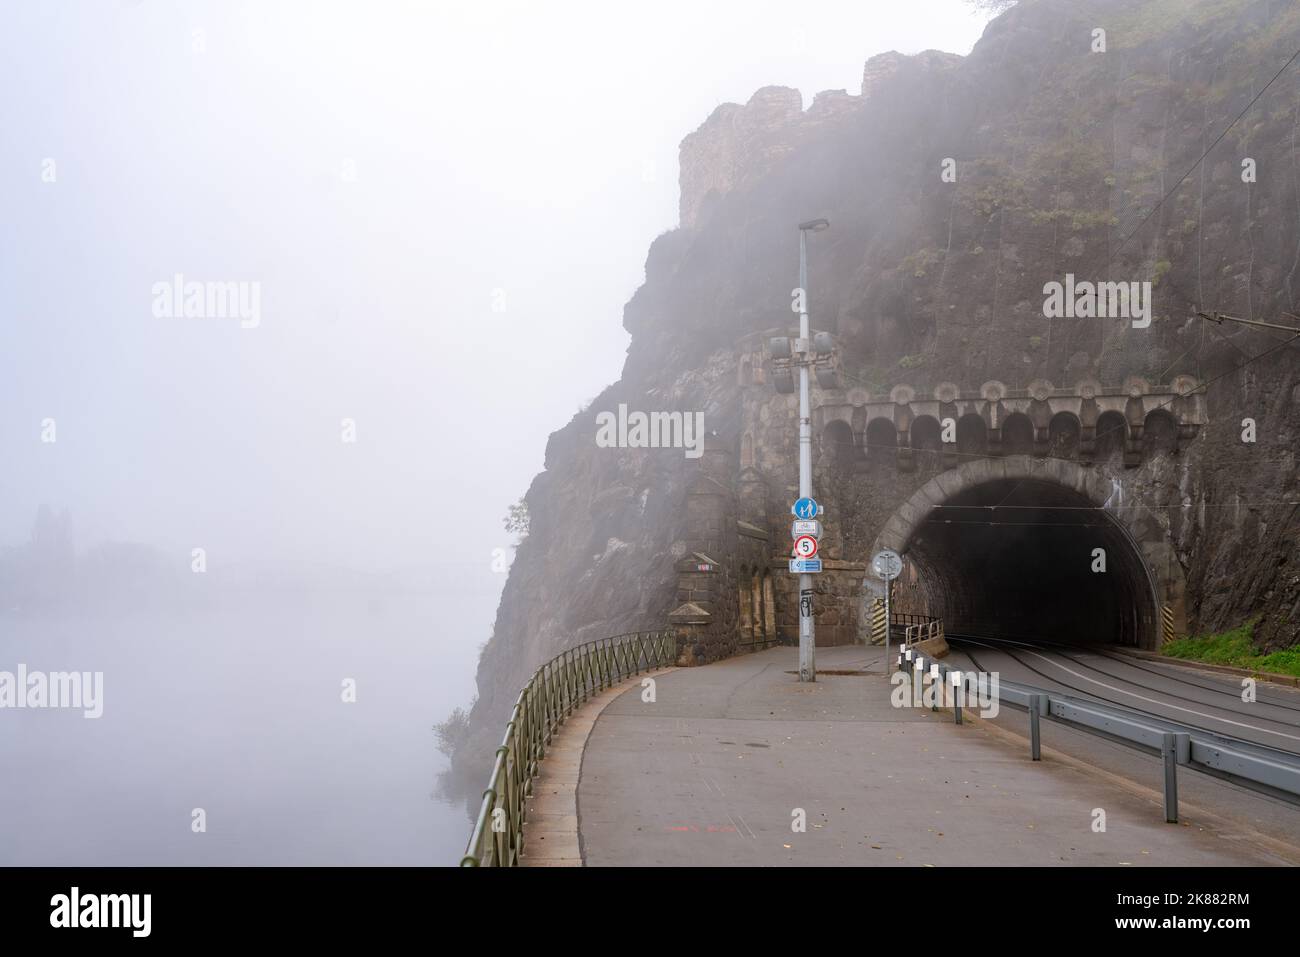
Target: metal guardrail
x,y
554,691
1258,767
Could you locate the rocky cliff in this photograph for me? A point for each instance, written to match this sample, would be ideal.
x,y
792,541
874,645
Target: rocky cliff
x,y
1056,154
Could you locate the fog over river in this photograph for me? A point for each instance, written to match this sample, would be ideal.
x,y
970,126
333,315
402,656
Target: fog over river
x,y
239,712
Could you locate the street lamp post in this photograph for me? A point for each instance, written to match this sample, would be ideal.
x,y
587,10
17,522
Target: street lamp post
x,y
807,631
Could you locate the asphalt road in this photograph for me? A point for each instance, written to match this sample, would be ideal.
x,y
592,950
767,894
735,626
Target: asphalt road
x,y
1186,695
1202,699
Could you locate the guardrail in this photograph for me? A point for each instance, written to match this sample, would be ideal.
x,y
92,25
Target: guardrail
x,y
1258,767
554,691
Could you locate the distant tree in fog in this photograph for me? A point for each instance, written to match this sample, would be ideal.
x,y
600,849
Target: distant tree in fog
x,y
40,573
516,520
452,732
51,543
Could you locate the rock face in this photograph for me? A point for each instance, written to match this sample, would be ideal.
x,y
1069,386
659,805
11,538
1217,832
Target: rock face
x,y
1060,155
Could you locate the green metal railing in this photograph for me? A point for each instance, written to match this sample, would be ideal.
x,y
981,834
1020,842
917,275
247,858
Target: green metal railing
x,y
554,691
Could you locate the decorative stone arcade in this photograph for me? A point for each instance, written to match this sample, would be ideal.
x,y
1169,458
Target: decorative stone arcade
x,y
1086,423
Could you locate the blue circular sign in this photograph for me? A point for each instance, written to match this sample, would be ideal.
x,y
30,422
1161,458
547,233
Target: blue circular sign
x,y
806,508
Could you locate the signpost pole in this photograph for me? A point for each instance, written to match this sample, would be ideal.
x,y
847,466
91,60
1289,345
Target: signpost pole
x,y
887,591
887,626
888,565
807,639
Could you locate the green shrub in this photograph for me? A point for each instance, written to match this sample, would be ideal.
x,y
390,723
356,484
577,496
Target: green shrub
x,y
1235,648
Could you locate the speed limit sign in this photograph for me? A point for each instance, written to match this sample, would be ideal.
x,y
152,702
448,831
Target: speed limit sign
x,y
805,546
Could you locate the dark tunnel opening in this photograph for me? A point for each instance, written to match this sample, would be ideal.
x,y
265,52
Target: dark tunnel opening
x,y
1015,558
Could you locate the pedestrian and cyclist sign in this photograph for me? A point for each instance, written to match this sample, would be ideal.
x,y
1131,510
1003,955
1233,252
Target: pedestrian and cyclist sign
x,y
806,508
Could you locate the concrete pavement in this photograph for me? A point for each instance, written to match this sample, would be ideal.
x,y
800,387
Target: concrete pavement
x,y
715,770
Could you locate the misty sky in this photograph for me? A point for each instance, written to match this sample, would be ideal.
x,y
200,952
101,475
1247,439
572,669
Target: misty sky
x,y
380,169
444,208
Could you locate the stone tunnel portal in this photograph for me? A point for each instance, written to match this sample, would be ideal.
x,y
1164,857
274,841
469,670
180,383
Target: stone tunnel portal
x,y
1015,558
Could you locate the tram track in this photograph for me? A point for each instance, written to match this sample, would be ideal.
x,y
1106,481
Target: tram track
x,y
1225,713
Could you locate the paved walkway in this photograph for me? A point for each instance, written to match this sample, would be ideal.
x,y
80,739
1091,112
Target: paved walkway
x,y
551,831
713,771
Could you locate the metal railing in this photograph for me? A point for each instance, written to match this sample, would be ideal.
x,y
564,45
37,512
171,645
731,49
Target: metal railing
x,y
1258,767
922,631
554,691
904,620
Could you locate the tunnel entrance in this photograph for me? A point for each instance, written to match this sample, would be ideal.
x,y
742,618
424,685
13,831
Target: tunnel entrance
x,y
1017,558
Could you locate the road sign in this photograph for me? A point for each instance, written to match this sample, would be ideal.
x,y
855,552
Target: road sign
x,y
805,527
805,546
887,564
806,508
805,566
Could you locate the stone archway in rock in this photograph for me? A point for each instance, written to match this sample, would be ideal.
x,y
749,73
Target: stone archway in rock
x,y
1010,547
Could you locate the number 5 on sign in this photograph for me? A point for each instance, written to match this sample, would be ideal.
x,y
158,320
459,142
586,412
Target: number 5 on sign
x,y
805,546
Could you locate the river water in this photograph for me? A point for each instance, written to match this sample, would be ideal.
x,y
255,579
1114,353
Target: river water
x,y
239,713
